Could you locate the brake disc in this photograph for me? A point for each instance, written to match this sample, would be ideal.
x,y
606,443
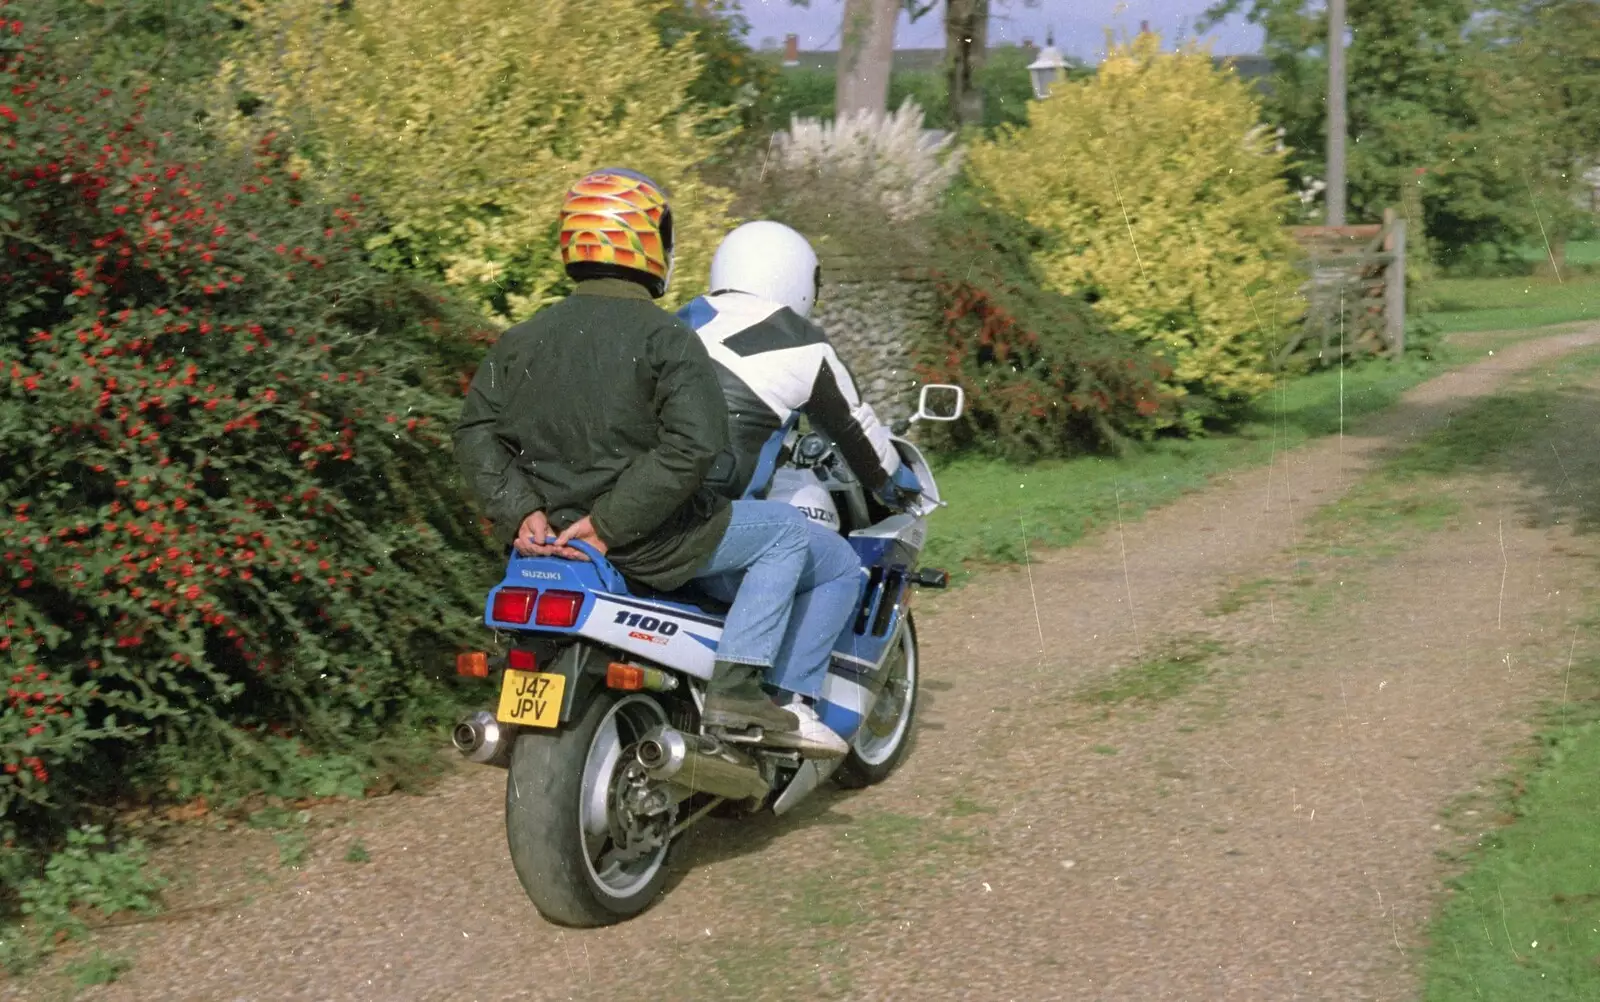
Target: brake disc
x,y
640,814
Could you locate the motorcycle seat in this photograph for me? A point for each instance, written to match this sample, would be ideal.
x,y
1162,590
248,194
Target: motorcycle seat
x,y
689,594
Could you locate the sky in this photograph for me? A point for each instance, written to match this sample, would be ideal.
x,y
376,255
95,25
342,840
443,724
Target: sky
x,y
1079,24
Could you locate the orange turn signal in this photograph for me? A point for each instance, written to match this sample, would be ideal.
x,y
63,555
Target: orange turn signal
x,y
627,677
474,663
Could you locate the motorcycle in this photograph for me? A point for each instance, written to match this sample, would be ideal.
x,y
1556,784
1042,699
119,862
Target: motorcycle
x,y
603,681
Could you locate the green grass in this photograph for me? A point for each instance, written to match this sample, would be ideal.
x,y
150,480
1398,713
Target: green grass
x,y
1478,436
1525,921
965,807
1513,303
1158,680
98,968
995,506
1580,253
292,848
1241,595
90,876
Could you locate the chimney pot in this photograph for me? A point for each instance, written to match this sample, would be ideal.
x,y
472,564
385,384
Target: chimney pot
x,y
791,50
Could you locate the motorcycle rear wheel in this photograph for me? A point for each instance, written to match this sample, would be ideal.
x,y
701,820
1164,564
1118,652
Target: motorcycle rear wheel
x,y
561,817
881,743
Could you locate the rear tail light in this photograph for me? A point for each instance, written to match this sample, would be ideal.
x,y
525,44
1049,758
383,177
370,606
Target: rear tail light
x,y
559,608
521,660
513,605
474,663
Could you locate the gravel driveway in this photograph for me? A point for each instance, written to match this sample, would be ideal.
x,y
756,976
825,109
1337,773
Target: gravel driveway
x,y
1270,831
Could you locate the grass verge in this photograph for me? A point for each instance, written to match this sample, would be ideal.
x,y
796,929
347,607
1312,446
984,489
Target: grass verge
x,y
1524,921
1513,303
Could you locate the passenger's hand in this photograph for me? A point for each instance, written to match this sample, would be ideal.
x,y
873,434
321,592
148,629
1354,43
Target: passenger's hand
x,y
582,529
532,536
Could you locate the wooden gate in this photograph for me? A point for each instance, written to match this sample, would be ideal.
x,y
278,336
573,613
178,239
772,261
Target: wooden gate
x,y
1355,290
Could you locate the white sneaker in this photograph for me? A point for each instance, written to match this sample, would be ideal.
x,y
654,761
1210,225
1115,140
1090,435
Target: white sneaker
x,y
812,738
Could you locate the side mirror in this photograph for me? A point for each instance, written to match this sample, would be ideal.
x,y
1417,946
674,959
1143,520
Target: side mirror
x,y
927,410
940,402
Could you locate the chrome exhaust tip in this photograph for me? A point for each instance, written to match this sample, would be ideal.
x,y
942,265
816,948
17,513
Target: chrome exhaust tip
x,y
480,738
663,751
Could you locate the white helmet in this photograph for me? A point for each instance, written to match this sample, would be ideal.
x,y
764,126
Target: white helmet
x,y
769,260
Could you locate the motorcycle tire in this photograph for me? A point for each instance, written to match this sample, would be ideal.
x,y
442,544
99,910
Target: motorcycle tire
x,y
544,789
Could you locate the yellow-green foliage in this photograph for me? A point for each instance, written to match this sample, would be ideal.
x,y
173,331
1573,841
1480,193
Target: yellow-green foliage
x,y
467,120
1159,191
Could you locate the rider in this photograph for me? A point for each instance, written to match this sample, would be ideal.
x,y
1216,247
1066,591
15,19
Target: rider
x,y
775,364
600,418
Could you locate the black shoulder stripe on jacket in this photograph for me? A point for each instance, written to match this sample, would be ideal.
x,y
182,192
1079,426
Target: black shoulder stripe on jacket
x,y
783,329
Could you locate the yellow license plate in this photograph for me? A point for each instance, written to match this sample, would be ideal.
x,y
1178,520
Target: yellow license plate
x,y
532,699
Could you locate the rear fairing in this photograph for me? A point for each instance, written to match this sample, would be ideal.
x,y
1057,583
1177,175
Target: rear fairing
x,y
670,634
684,637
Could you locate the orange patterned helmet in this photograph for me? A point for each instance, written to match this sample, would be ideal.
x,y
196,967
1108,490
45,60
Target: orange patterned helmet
x,y
616,223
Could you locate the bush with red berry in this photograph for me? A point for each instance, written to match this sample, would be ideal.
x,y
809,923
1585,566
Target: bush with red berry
x,y
1043,377
227,502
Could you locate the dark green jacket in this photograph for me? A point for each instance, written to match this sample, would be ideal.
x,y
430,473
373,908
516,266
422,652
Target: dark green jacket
x,y
602,404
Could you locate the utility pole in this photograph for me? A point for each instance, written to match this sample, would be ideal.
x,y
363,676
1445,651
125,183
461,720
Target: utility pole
x,y
1336,117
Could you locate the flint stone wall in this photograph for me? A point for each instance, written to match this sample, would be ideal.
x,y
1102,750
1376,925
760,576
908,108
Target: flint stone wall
x,y
874,315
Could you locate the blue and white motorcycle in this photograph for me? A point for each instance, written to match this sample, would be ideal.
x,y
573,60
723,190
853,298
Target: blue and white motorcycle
x,y
598,720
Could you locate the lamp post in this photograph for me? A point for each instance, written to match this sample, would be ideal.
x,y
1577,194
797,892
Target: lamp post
x,y
1047,68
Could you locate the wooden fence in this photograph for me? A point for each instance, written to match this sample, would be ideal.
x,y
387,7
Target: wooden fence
x,y
1355,289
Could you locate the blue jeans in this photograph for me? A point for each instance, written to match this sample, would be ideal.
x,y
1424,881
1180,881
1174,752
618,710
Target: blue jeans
x,y
793,586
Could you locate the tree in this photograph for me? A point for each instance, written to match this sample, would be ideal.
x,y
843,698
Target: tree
x,y
1545,85
866,55
178,42
731,75
1415,99
1043,374
966,44
1158,191
465,122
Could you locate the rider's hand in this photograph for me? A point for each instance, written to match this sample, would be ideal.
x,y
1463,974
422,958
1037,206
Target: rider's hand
x,y
531,536
901,489
582,529
906,479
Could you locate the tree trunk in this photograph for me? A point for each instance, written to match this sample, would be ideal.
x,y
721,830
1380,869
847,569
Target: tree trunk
x,y
866,54
1555,254
966,42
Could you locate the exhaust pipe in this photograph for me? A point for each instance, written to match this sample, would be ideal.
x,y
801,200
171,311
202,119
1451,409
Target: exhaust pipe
x,y
481,738
700,764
